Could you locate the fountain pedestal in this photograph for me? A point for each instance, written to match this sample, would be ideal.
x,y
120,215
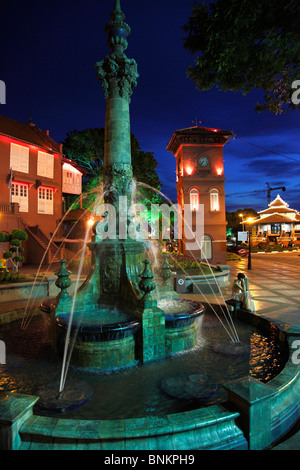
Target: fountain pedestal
x,y
151,337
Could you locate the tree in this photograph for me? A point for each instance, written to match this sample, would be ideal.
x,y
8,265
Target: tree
x,y
14,239
241,45
144,171
234,221
87,149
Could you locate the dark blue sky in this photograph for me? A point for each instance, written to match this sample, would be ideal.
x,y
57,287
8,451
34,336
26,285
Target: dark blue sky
x,y
48,52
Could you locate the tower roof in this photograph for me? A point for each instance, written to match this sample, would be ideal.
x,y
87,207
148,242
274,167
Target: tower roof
x,y
198,135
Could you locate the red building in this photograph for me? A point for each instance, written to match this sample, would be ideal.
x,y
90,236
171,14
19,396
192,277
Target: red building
x,y
200,183
35,179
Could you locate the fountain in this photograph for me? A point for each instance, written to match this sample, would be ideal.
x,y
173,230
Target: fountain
x,y
140,374
116,318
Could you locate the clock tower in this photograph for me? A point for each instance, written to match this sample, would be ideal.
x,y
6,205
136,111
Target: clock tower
x,y
200,184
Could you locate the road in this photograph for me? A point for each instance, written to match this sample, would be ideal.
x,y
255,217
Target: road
x,y
289,259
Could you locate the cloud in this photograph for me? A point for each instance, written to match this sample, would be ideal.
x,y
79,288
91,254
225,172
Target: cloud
x,y
273,167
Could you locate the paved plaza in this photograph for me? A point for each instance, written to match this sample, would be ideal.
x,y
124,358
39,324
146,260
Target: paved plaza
x,y
275,286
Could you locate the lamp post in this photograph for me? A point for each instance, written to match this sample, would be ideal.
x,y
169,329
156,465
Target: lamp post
x,y
242,222
249,240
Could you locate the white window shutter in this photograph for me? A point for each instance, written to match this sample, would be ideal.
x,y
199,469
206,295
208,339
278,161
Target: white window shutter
x,y
19,158
45,165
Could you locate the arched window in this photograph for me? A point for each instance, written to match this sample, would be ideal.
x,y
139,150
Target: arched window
x,y
206,247
214,200
194,199
179,172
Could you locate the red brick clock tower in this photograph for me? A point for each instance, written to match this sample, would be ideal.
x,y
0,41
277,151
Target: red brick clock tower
x,y
200,181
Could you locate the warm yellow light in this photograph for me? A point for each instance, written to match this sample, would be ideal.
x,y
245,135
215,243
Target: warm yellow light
x,y
219,171
250,220
189,170
241,215
68,167
91,222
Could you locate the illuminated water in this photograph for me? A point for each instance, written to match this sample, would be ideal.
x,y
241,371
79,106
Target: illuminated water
x,y
164,387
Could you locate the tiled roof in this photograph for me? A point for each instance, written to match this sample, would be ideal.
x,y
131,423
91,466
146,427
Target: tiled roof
x,y
28,133
204,135
279,210
278,202
197,130
273,219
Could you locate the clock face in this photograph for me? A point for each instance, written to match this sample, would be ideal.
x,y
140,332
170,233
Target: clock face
x,y
203,161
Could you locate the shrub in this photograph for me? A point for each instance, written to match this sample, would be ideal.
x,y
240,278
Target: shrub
x,y
14,239
181,262
233,257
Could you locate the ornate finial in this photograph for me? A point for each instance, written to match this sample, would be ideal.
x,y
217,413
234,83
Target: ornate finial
x,y
117,6
165,269
117,30
63,281
197,122
146,283
118,73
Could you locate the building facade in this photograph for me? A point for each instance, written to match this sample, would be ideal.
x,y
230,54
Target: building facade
x,y
278,224
200,184
34,180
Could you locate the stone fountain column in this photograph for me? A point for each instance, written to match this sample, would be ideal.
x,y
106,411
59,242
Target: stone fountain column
x,y
119,77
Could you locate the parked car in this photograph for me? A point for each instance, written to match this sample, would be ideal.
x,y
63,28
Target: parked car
x,y
241,250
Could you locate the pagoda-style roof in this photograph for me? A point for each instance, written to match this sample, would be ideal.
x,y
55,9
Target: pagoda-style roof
x,y
279,206
277,212
273,219
198,135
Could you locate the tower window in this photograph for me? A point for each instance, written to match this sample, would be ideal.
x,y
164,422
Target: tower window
x,y
206,247
214,200
194,199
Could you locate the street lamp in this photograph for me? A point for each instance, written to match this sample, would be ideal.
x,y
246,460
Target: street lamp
x,y
249,240
242,222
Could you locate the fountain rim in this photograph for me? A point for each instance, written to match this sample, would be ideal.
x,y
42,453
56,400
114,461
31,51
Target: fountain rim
x,y
198,420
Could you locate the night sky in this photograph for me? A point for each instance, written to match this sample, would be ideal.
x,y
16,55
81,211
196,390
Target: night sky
x,y
48,53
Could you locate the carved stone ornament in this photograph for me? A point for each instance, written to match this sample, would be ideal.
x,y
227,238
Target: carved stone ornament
x,y
118,74
117,182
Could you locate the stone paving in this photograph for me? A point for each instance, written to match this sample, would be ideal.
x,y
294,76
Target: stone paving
x,y
275,289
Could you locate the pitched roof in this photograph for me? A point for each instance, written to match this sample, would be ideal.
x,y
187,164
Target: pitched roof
x,y
28,133
278,207
278,202
273,219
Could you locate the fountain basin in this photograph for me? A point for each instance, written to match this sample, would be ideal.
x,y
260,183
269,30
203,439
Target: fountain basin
x,y
187,427
104,339
181,323
184,312
98,331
